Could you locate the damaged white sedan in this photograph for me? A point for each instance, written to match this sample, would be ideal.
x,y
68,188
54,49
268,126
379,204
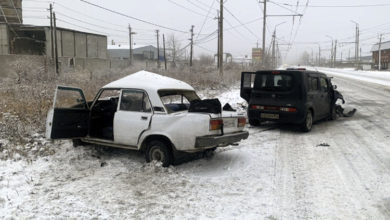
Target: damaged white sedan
x,y
145,111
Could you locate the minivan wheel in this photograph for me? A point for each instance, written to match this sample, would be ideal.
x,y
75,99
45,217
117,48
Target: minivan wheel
x,y
158,151
333,114
308,123
254,122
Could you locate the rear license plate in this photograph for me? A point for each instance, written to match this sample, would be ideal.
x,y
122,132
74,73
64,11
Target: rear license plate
x,y
269,116
228,123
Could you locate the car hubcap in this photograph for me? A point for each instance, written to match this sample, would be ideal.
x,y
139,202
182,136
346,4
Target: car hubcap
x,y
157,155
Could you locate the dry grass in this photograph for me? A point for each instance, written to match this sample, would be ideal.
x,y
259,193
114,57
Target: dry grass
x,y
25,100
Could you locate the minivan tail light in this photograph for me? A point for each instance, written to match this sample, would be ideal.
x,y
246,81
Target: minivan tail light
x,y
288,109
241,122
259,107
216,124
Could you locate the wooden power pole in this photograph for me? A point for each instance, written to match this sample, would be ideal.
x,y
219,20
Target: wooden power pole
x,y
192,44
264,30
221,38
55,42
158,49
165,55
51,32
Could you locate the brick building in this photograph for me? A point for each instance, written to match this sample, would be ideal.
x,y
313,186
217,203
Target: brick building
x,y
385,55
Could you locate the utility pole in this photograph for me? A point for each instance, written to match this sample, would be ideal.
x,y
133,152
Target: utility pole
x,y
158,49
319,55
380,53
331,55
356,45
192,44
264,29
335,54
51,32
131,55
165,55
221,38
55,42
219,42
273,50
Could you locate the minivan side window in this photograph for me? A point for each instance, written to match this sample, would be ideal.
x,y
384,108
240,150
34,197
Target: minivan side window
x,y
313,84
323,85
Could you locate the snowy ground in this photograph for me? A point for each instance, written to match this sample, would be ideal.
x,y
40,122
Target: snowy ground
x,y
278,173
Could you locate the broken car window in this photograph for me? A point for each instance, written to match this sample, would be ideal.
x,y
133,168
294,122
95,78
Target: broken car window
x,y
135,101
69,99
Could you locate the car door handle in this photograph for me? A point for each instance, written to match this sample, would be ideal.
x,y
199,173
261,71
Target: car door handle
x,y
144,118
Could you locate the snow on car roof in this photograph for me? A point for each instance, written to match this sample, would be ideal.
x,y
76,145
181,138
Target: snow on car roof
x,y
147,80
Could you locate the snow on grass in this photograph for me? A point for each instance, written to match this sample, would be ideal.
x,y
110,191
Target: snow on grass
x,y
378,77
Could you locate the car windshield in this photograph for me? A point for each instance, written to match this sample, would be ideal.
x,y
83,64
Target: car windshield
x,y
273,82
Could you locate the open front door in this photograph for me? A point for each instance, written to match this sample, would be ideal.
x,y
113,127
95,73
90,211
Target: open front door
x,y
69,116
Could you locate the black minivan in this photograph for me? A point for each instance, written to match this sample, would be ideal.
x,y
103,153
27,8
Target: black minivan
x,y
288,96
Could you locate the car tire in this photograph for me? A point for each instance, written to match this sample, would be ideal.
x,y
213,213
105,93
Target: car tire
x,y
254,122
77,142
158,151
308,123
333,114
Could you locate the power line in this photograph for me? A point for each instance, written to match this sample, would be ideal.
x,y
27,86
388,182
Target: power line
x,y
205,20
188,9
339,6
134,18
240,22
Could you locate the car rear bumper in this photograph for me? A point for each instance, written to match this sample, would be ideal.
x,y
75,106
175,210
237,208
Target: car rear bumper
x,y
215,141
283,117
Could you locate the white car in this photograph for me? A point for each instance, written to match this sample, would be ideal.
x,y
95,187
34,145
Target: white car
x,y
143,111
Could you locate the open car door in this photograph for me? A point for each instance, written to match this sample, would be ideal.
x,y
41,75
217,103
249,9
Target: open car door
x,y
69,116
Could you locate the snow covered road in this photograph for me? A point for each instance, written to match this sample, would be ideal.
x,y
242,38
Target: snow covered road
x,y
340,170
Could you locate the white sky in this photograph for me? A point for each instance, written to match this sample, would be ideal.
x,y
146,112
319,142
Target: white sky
x,y
316,23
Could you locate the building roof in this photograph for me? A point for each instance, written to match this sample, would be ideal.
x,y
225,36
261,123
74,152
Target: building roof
x,y
384,46
149,82
37,27
126,47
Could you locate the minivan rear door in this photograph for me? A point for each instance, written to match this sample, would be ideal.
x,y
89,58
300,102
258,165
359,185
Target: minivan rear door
x,y
69,116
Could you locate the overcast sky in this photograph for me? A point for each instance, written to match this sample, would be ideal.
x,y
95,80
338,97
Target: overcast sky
x,y
304,33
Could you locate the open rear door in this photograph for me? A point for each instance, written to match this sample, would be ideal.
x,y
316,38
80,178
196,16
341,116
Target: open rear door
x,y
69,116
247,79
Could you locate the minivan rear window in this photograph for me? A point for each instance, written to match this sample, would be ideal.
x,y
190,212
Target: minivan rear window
x,y
273,82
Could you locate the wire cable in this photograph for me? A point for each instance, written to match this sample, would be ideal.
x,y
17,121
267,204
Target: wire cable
x,y
134,18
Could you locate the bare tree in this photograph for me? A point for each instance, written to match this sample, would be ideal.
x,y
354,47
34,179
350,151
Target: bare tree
x,y
174,48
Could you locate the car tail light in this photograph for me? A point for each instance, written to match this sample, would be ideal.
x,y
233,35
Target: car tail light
x,y
216,124
241,122
288,109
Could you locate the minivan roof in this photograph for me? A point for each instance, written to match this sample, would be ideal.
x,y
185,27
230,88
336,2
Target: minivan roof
x,y
303,72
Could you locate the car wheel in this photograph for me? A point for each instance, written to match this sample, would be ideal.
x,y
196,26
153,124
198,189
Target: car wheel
x,y
158,151
254,122
308,123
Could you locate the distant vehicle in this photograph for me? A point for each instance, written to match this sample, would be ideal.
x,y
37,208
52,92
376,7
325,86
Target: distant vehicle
x,y
288,96
144,111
